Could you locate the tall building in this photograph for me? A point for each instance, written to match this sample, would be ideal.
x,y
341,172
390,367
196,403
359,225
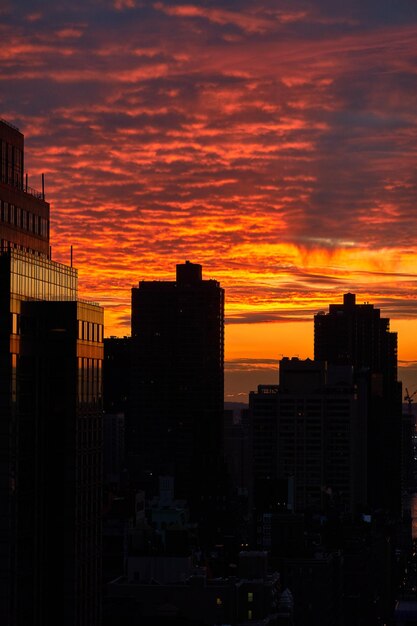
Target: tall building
x,y
176,419
356,334
51,352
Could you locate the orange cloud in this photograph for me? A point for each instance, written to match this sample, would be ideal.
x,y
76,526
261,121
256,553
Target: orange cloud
x,y
275,147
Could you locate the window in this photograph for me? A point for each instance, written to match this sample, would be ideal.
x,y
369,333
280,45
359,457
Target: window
x,y
250,614
250,596
219,601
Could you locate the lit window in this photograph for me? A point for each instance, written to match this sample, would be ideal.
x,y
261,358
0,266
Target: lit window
x,y
250,614
219,601
250,596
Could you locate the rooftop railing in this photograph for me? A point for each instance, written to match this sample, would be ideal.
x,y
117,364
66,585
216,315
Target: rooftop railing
x,y
17,184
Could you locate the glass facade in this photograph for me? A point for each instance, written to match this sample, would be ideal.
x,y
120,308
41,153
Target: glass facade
x,y
39,278
89,355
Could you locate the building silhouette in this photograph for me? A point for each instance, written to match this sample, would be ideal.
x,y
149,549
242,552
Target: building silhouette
x,y
356,335
308,440
176,417
51,351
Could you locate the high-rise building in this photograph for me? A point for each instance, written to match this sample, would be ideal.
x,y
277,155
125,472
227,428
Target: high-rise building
x,y
356,334
176,419
51,352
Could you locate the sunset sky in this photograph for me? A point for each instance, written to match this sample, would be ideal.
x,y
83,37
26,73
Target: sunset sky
x,y
274,142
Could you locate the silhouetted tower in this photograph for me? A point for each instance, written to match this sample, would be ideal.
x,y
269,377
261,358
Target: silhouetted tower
x,y
355,334
176,418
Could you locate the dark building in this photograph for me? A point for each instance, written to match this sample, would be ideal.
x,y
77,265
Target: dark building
x,y
116,390
315,582
356,334
161,589
59,495
176,420
308,434
116,374
51,354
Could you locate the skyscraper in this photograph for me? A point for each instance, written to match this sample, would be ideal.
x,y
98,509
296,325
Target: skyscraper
x,y
175,421
356,334
51,350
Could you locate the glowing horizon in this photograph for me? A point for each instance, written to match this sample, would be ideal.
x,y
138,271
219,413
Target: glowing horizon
x,y
273,143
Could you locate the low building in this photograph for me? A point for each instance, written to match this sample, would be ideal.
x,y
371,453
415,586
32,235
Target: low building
x,y
253,597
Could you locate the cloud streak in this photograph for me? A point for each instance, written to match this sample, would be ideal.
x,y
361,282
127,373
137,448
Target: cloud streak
x,y
276,147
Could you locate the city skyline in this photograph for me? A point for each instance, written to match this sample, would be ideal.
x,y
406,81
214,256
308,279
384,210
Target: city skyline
x,y
274,145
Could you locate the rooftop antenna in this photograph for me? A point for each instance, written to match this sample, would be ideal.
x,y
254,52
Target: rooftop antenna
x,y
43,186
71,256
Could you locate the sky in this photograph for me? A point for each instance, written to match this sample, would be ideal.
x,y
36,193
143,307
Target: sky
x,y
274,142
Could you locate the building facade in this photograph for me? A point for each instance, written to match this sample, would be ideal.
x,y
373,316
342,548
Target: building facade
x,y
51,352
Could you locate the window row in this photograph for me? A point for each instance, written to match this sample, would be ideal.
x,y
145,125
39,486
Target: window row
x,y
89,331
11,168
6,245
89,380
15,216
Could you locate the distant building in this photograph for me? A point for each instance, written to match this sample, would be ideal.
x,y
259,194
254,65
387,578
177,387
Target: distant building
x,y
51,354
316,587
114,461
175,424
308,450
117,371
157,585
356,335
116,374
237,452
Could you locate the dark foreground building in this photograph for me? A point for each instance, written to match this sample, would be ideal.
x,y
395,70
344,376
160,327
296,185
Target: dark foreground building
x,y
356,335
176,419
51,351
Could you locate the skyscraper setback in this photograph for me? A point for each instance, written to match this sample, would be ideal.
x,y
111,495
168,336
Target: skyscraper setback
x,y
51,350
176,416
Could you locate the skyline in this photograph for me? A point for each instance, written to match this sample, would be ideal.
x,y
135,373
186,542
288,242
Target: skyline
x,y
275,145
